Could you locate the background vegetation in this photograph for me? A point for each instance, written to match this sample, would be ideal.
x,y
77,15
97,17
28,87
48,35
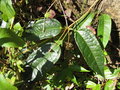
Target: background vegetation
x,y
51,45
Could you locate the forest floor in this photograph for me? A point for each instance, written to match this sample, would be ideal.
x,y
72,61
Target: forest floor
x,y
67,12
74,8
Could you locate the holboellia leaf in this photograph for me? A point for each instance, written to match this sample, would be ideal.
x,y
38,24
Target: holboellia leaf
x,y
104,28
86,21
9,39
7,9
42,59
5,85
42,29
91,50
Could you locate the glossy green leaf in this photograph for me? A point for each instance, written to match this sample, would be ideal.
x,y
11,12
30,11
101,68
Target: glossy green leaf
x,y
5,85
7,9
90,84
43,29
93,85
110,85
9,39
86,21
42,59
91,50
104,28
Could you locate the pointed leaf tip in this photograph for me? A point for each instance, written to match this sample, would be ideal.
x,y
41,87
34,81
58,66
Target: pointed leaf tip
x,y
91,50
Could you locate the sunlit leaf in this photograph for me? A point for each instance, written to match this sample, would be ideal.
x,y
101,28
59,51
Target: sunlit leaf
x,y
90,49
9,39
43,29
93,85
97,87
74,80
116,72
18,29
110,85
7,9
104,28
86,21
5,85
90,84
42,59
109,74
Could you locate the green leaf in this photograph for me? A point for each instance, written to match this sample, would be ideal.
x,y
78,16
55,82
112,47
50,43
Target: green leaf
x,y
42,59
77,68
43,29
90,84
86,21
9,39
7,24
97,87
18,29
93,85
104,28
116,72
47,87
74,80
7,9
91,50
109,74
110,85
5,85
118,85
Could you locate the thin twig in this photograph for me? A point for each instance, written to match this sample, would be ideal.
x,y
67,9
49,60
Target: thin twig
x,y
63,13
68,28
51,5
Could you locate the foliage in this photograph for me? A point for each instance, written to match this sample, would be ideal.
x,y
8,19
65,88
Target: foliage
x,y
5,85
43,58
9,39
7,9
32,56
104,28
90,49
43,29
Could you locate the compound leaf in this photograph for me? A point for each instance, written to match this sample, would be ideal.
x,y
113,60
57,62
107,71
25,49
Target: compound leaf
x,y
42,59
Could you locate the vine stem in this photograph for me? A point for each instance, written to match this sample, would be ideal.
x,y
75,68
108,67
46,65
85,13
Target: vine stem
x,y
64,34
63,13
51,5
68,28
